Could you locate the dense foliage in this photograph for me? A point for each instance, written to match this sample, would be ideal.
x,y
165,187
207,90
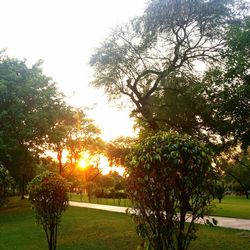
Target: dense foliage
x,y
31,107
226,91
48,194
6,181
117,150
170,179
153,60
76,135
237,171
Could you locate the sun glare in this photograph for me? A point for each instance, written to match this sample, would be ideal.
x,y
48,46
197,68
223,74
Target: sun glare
x,y
106,168
82,164
87,160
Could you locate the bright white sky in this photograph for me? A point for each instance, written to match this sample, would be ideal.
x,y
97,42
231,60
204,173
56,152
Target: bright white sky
x,y
64,34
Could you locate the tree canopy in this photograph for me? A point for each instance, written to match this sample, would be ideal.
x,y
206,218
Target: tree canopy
x,y
30,103
227,88
30,107
153,60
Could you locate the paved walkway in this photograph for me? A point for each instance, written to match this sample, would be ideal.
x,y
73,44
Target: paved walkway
x,y
222,221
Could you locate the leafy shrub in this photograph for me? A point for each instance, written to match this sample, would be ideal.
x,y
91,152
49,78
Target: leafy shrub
x,y
169,176
5,182
100,193
219,190
90,187
48,194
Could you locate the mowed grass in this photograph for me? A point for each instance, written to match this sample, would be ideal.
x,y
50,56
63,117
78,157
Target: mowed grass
x,y
232,206
83,228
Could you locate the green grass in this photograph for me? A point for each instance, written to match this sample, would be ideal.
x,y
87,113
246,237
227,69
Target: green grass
x,y
232,206
83,228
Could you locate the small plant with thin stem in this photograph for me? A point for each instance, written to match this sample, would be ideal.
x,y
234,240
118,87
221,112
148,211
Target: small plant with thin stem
x,y
48,195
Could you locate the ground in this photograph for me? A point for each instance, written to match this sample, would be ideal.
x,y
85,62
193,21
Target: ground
x,y
83,228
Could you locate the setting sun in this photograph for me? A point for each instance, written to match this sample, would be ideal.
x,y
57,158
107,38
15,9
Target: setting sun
x,y
85,160
82,164
100,161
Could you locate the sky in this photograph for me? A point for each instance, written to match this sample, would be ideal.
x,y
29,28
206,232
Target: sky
x,y
64,34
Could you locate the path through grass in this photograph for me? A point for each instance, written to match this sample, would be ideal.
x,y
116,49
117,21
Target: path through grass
x,y
231,206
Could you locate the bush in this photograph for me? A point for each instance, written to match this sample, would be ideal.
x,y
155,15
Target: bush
x,y
219,190
169,176
90,187
99,193
120,195
48,194
6,181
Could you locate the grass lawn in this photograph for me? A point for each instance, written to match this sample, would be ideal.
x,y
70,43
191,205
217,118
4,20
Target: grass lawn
x,y
233,206
91,229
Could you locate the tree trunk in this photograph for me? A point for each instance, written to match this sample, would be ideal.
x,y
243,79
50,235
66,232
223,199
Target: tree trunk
x,y
59,158
181,229
52,240
22,188
184,208
182,224
246,193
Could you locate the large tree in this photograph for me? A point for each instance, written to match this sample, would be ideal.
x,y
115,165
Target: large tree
x,y
30,108
152,59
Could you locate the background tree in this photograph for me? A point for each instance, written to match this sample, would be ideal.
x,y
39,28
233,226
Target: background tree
x,y
151,60
48,194
237,170
90,188
227,88
57,141
169,175
118,190
84,137
46,163
105,181
226,93
117,150
219,190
